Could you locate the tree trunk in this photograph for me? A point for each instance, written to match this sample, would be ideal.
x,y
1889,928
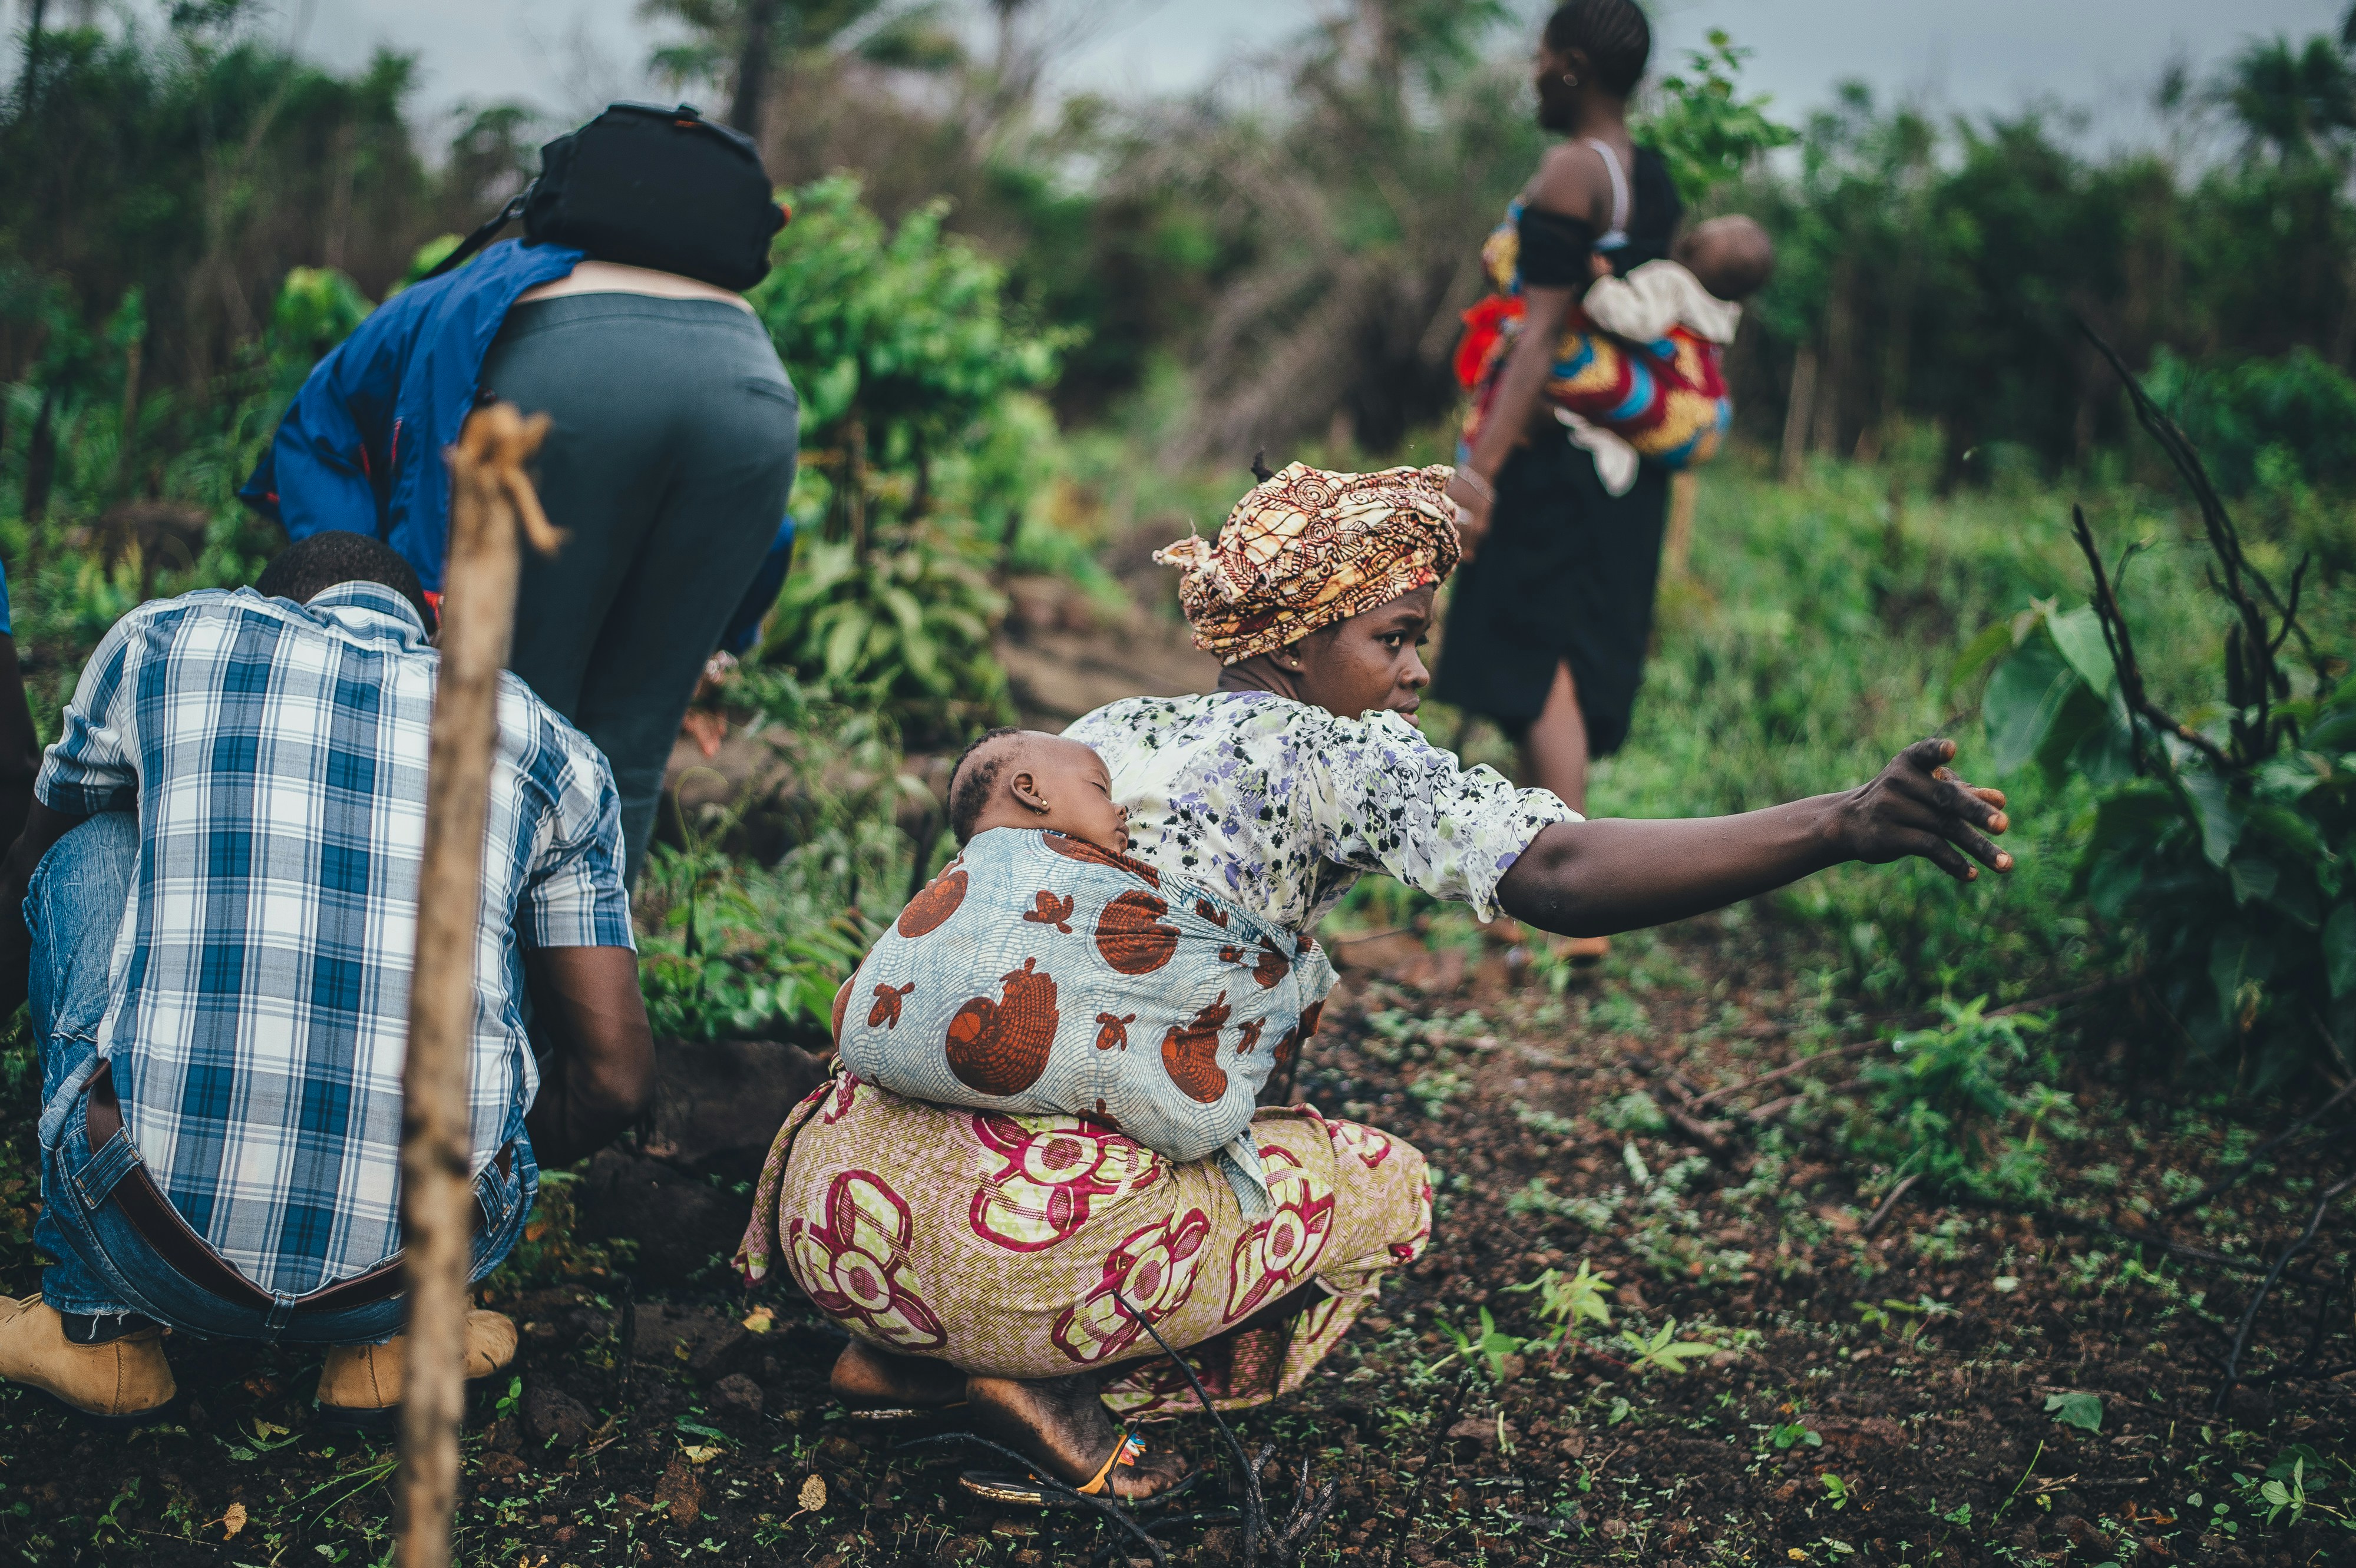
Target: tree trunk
x,y
342,170
1799,412
489,496
34,22
41,458
752,67
1676,554
1835,368
127,447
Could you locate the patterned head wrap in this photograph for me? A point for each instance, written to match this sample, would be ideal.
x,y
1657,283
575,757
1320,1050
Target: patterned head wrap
x,y
1305,549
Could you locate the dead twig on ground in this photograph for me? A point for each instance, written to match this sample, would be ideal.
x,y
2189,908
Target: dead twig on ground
x,y
1109,1509
2266,1286
1780,1074
2248,1162
1254,1514
1431,1463
1881,1212
1710,1138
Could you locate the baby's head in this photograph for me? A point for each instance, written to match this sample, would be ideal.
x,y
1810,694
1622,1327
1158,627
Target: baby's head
x,y
1732,257
1027,778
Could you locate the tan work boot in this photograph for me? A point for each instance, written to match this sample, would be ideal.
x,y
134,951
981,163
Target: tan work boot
x,y
125,1381
360,1387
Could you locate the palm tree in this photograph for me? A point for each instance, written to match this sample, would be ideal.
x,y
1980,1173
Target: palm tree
x,y
744,41
2298,102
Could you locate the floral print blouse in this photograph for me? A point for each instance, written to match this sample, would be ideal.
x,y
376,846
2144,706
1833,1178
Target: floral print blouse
x,y
1282,805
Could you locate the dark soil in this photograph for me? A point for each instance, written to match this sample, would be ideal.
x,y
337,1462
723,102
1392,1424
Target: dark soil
x,y
664,1418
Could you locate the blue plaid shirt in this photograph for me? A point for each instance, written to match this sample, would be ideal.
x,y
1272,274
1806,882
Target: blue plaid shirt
x,y
275,753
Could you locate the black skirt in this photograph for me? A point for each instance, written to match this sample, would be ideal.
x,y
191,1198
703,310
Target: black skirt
x,y
1567,575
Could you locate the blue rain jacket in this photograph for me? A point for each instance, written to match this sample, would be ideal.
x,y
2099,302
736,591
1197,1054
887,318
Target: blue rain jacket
x,y
360,449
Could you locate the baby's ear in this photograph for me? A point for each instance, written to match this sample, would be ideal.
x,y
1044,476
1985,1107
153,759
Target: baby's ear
x,y
1024,787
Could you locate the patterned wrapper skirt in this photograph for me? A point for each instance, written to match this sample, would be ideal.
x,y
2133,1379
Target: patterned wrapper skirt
x,y
1018,1246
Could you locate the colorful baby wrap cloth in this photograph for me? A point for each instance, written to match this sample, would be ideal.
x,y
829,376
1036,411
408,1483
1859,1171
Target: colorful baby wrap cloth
x,y
1038,974
1668,398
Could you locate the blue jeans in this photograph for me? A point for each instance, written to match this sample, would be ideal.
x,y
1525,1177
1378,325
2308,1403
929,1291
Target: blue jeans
x,y
103,1266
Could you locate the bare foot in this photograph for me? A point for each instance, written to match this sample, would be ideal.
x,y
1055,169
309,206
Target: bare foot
x,y
1062,1425
865,1375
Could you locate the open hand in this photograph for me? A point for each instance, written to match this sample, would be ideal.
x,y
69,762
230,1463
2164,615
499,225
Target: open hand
x,y
1919,806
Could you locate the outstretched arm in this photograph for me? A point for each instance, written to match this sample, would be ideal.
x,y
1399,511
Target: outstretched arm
x,y
601,1075
1593,879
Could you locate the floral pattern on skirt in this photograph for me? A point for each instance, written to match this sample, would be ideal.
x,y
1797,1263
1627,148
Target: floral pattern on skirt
x,y
1028,1246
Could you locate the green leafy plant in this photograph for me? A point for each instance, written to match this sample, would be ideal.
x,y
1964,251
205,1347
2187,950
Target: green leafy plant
x,y
1706,134
2285,1492
909,629
1490,1345
731,947
2299,404
2220,838
1570,1302
913,372
2083,1410
1943,1106
1663,1352
1837,1491
1792,1432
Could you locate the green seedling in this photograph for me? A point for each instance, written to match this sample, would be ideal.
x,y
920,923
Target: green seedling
x,y
1837,1491
1490,1344
2288,1493
1796,1432
1569,1303
1663,1351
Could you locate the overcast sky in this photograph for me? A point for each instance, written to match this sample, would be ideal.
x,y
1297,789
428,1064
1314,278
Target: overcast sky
x,y
2101,56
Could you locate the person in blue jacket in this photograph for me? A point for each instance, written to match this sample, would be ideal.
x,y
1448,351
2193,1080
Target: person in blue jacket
x,y
669,461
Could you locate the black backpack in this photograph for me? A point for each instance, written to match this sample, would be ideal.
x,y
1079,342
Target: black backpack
x,y
649,187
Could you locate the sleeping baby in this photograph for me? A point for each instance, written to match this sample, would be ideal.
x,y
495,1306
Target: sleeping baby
x,y
1045,971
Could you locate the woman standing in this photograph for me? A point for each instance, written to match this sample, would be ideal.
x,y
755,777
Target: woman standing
x,y
1003,1260
1551,613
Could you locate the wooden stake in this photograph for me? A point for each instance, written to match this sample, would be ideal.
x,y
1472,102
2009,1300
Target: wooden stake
x,y
489,498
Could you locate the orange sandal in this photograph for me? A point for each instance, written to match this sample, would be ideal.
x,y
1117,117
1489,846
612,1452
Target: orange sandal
x,y
1124,1452
1030,1491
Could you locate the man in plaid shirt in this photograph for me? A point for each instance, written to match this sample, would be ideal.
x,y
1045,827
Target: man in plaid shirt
x,y
217,885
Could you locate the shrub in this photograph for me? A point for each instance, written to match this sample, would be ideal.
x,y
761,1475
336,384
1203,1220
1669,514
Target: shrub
x,y
914,373
1946,1107
2298,407
2222,838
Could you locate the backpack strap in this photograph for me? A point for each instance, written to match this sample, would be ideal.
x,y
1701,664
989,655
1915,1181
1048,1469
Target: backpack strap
x,y
482,236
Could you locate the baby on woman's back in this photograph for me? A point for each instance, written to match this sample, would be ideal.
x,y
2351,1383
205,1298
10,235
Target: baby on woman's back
x,y
1028,778
1045,972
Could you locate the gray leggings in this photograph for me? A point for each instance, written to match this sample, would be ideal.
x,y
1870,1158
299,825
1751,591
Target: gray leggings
x,y
667,466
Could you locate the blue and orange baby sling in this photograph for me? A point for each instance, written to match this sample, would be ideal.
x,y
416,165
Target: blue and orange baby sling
x,y
1666,398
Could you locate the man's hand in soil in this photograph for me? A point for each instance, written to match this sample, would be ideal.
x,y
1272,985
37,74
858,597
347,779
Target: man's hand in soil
x,y
1598,878
601,1074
